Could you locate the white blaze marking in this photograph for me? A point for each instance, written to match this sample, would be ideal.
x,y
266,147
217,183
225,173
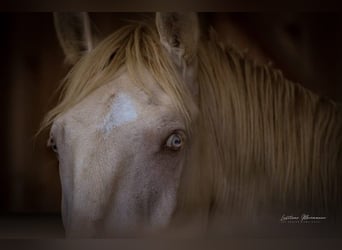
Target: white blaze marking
x,y
121,112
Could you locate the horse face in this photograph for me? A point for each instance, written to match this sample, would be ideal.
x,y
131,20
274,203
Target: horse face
x,y
121,153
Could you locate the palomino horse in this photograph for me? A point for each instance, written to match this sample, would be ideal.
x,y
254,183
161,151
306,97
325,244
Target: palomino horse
x,y
160,125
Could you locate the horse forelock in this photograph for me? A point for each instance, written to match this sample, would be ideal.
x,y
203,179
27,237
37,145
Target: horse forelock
x,y
135,48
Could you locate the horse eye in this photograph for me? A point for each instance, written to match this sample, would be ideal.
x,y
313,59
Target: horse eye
x,y
54,148
52,145
175,141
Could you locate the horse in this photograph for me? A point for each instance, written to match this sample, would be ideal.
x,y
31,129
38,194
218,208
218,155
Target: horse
x,y
161,125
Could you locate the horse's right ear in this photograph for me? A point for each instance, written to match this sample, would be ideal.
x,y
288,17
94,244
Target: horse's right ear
x,y
75,34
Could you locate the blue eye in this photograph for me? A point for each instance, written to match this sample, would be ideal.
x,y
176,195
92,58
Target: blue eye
x,y
175,141
54,148
52,145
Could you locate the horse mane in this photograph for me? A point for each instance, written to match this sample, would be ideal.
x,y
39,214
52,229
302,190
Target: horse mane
x,y
267,143
275,146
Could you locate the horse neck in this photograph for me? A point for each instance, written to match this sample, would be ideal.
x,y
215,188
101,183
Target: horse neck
x,y
273,145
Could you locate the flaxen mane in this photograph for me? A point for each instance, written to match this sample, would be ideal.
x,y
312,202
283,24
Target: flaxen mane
x,y
266,145
276,146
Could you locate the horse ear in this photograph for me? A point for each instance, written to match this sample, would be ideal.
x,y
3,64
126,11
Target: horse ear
x,y
179,34
75,34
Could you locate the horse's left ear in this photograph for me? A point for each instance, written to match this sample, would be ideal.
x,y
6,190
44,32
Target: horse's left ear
x,y
179,34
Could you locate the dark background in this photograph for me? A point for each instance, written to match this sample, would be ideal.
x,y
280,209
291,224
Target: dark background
x,y
305,46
